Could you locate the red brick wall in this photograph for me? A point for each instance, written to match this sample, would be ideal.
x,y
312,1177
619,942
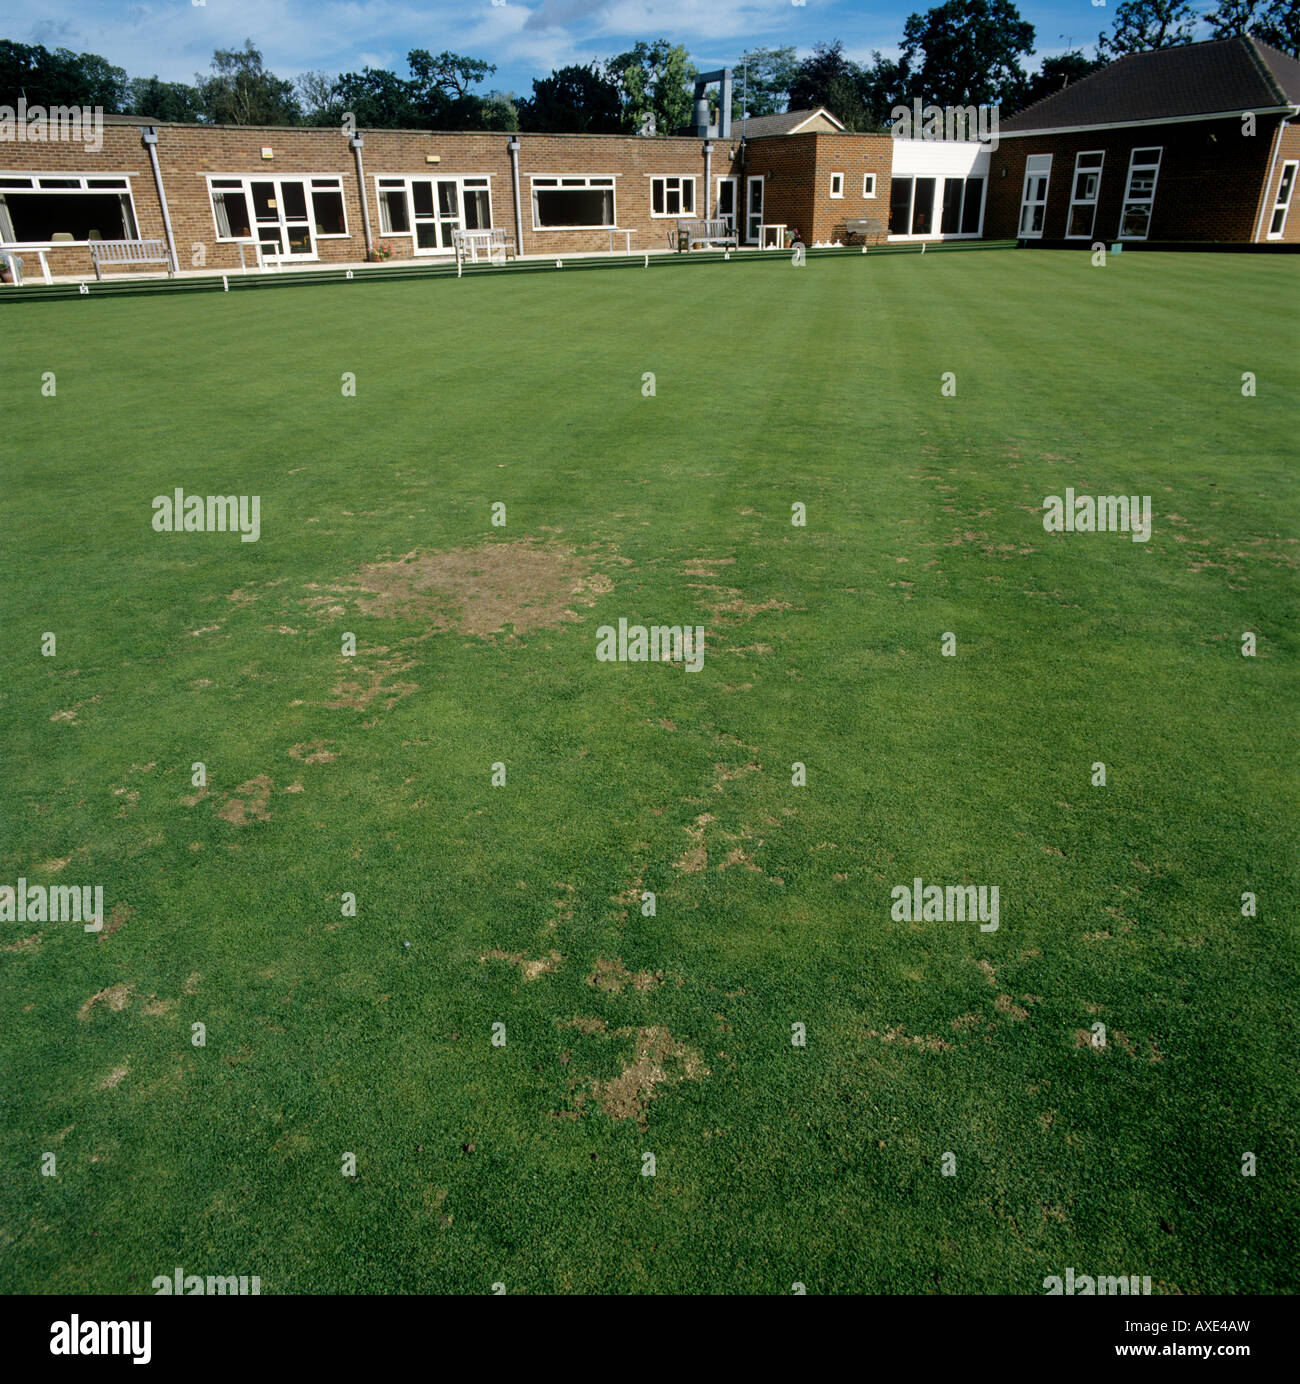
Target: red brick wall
x,y
798,169
1208,188
1288,148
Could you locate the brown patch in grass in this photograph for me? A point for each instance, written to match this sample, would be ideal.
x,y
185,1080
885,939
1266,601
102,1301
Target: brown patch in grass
x,y
313,751
697,854
114,1078
658,1059
32,943
521,584
584,1025
122,913
158,1009
928,1042
116,997
192,983
250,802
613,977
1004,1004
370,684
529,970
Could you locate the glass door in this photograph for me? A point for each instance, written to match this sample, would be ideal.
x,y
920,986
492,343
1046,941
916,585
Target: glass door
x,y
448,210
281,224
424,217
753,209
727,203
1033,205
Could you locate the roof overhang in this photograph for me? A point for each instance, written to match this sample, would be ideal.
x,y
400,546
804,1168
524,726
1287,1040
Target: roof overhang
x,y
1155,120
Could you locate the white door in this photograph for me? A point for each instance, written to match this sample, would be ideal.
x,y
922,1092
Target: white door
x,y
1033,202
281,222
726,203
753,209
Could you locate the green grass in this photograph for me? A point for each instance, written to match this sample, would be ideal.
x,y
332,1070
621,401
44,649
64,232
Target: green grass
x,y
822,1165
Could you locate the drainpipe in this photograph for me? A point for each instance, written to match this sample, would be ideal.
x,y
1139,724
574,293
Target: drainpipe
x,y
1264,208
708,181
149,138
354,143
513,146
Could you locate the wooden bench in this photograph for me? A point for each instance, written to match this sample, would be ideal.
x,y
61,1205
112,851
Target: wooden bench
x,y
706,233
132,252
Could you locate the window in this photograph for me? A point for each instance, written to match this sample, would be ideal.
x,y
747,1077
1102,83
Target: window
x,y
923,207
1135,220
575,204
327,207
972,215
868,184
672,196
48,210
1284,189
393,218
1083,195
900,206
1033,201
837,184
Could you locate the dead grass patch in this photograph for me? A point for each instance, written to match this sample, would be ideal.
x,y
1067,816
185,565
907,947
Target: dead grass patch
x,y
658,1060
249,802
529,970
116,997
314,751
613,977
114,1078
482,590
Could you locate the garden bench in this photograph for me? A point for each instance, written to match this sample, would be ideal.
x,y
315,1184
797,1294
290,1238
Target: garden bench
x,y
104,252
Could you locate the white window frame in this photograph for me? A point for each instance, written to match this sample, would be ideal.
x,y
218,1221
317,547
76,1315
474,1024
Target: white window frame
x,y
681,179
837,181
388,183
1280,204
939,196
735,213
1076,201
1041,171
559,181
868,181
1149,199
121,188
220,182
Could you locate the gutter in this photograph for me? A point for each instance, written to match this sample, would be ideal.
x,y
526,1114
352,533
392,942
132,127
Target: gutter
x,y
149,138
513,146
355,142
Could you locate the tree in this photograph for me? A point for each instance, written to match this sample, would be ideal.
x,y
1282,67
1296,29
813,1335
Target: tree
x,y
499,110
573,100
60,78
851,93
1056,73
1143,25
1276,22
968,52
761,82
318,99
654,80
378,99
241,91
176,101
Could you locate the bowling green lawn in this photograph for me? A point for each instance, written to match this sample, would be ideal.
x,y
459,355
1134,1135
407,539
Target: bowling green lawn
x,y
610,953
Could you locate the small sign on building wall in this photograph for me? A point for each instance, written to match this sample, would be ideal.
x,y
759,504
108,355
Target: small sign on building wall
x,y
267,152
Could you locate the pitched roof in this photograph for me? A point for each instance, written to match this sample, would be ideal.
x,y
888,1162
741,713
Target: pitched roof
x,y
787,123
1231,74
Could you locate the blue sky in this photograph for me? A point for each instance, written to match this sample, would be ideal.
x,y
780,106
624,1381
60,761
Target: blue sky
x,y
175,38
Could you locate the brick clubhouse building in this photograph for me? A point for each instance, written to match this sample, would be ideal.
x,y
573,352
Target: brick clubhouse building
x,y
1180,146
